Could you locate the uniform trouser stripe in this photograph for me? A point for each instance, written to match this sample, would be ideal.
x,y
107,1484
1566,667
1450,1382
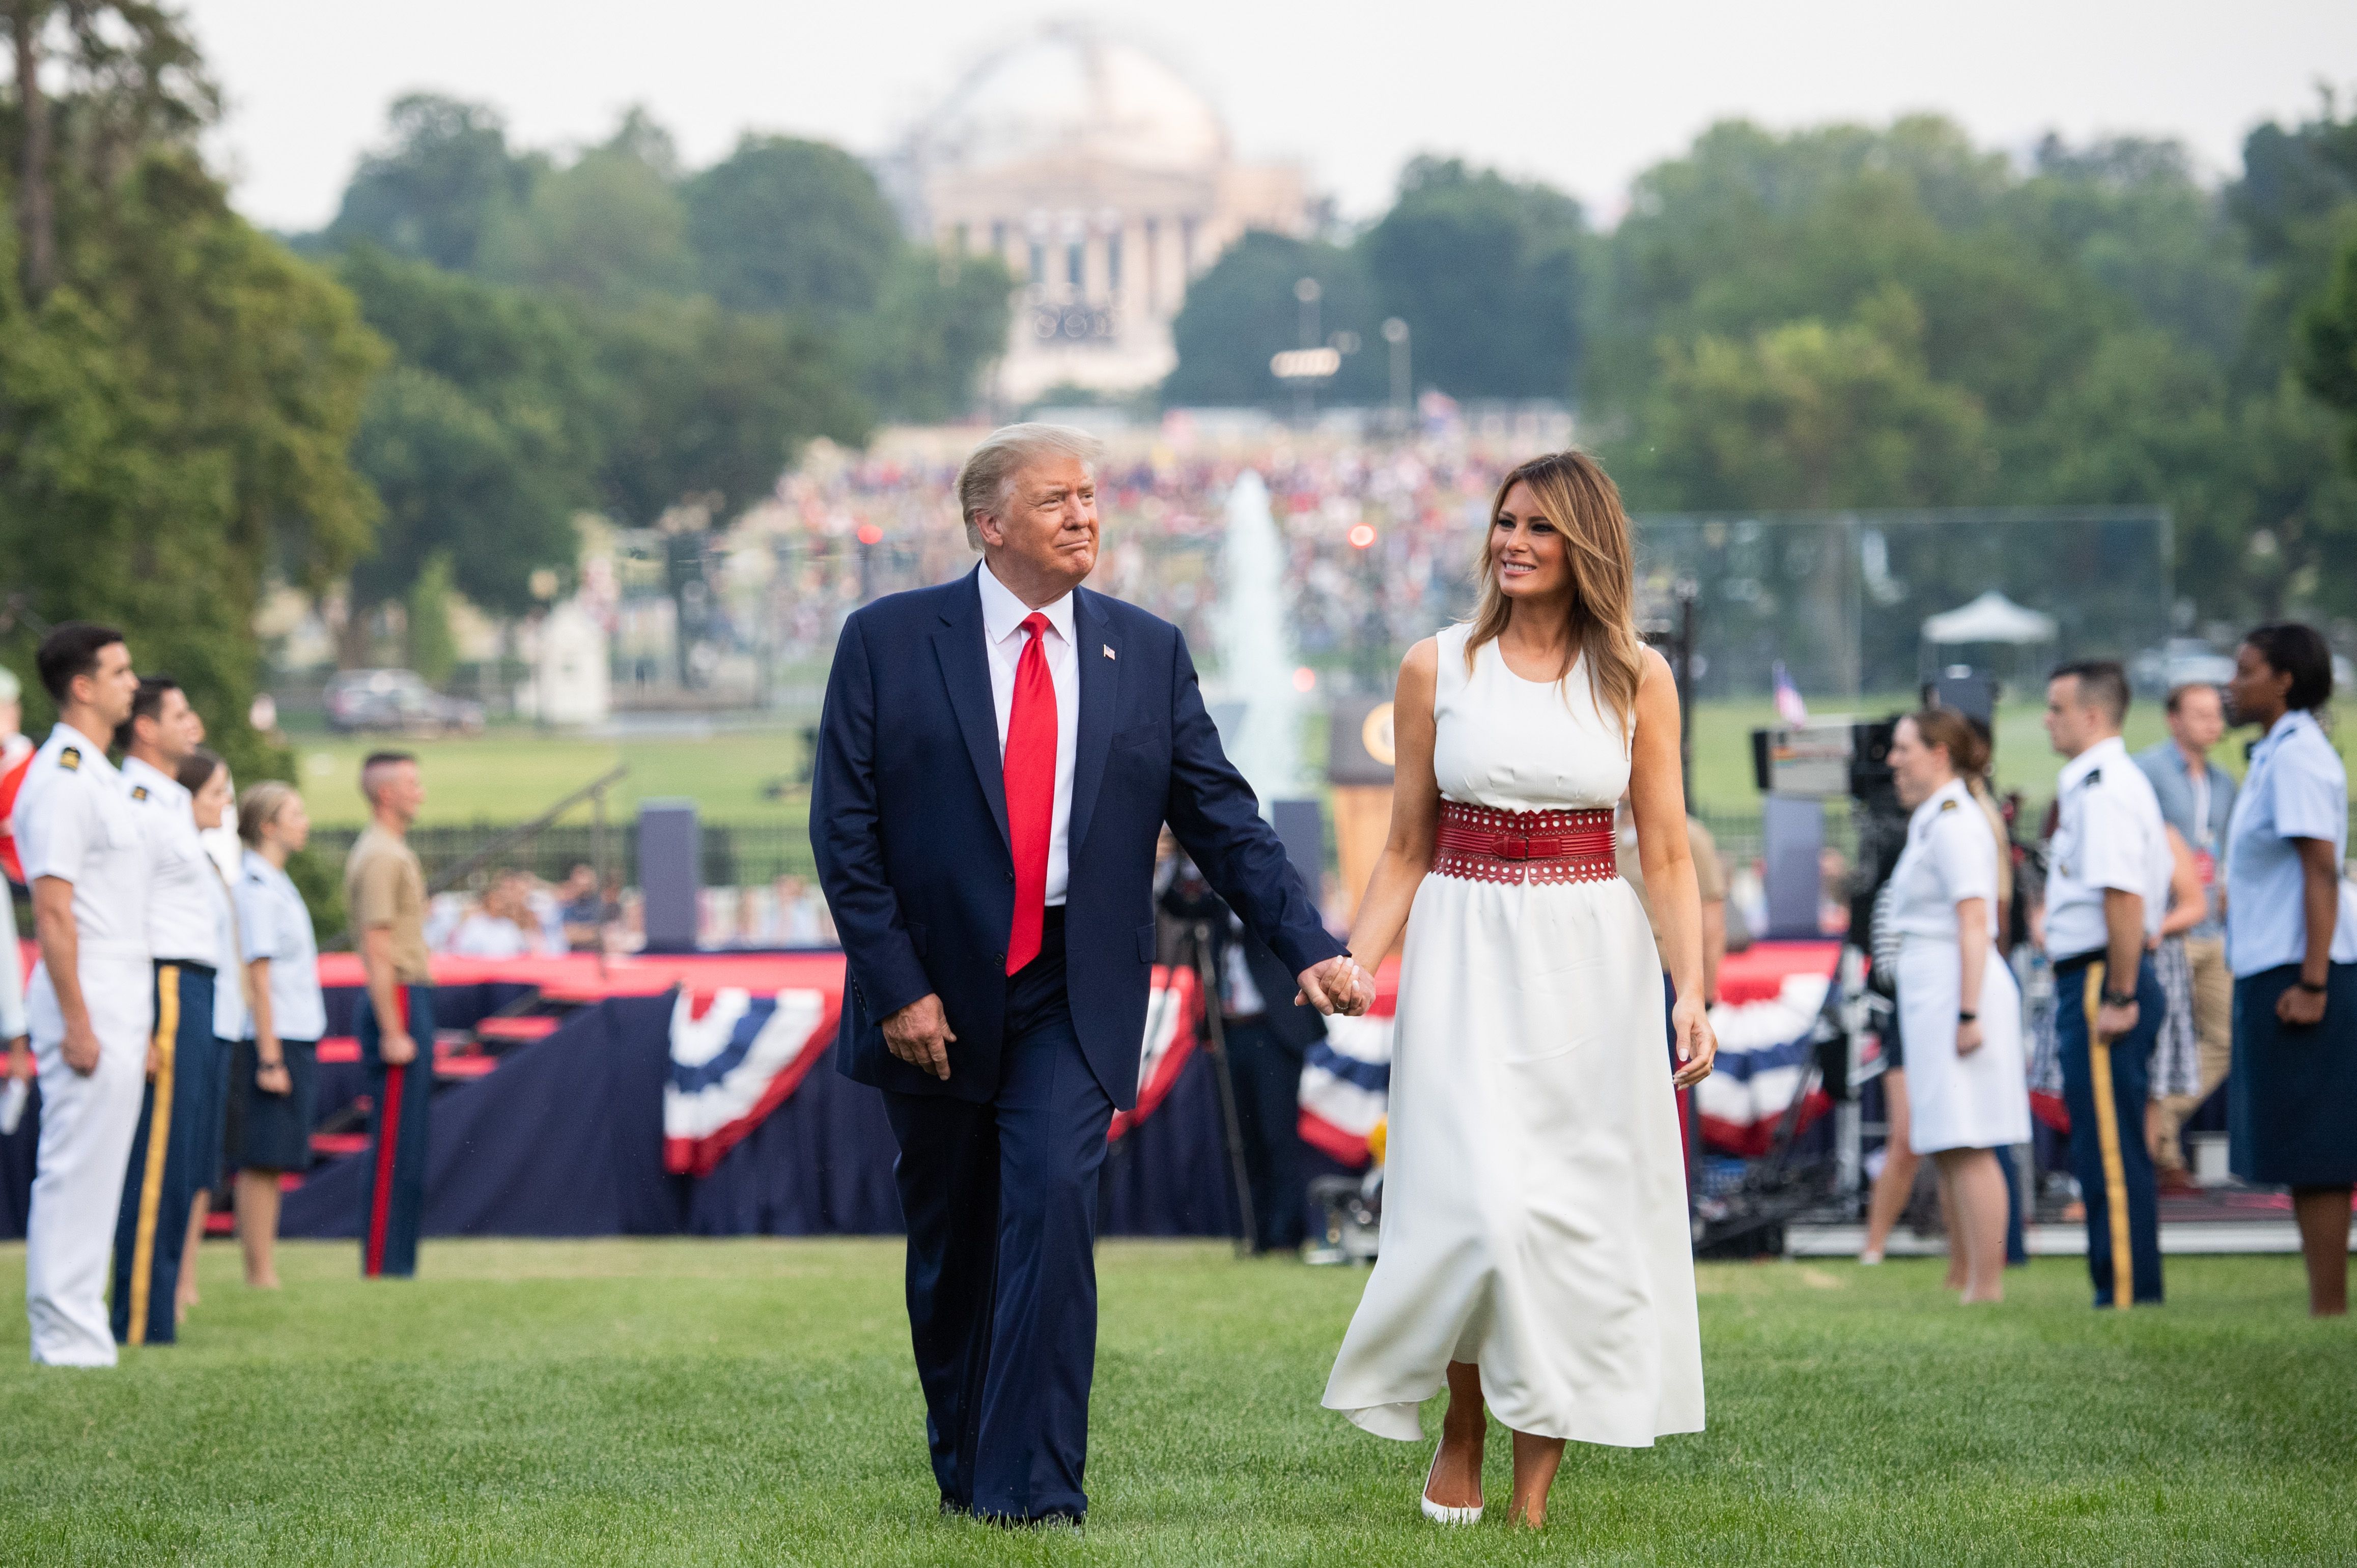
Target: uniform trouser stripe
x,y
159,1142
388,1139
2107,1138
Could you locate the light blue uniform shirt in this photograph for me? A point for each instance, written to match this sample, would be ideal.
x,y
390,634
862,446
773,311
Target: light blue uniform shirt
x,y
276,925
2297,789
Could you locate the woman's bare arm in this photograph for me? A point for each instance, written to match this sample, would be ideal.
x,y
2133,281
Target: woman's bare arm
x,y
1416,811
1657,798
2187,905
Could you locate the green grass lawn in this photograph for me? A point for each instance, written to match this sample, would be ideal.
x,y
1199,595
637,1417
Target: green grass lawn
x,y
752,1401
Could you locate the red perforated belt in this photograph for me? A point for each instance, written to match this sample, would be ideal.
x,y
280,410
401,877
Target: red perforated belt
x,y
1482,845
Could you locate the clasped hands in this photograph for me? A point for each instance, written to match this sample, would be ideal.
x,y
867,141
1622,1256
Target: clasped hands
x,y
920,1034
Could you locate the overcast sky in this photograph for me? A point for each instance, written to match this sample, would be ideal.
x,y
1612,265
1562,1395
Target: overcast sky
x,y
1580,94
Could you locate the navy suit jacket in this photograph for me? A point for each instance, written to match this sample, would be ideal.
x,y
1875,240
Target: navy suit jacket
x,y
909,821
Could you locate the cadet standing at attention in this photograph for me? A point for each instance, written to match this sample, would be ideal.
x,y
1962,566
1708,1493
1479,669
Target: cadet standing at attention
x,y
2108,879
384,888
90,1005
184,940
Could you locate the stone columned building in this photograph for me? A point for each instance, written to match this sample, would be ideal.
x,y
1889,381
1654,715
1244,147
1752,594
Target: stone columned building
x,y
1105,181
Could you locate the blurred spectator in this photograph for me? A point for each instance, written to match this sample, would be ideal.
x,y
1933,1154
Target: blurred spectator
x,y
583,909
501,925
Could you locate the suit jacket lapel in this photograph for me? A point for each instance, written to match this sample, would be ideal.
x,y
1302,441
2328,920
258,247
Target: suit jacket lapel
x,y
958,643
1098,649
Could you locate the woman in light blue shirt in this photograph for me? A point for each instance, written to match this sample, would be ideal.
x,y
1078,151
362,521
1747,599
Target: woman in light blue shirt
x,y
2291,941
277,1062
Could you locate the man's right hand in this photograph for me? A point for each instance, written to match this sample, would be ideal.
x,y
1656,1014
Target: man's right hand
x,y
396,1048
919,1034
79,1047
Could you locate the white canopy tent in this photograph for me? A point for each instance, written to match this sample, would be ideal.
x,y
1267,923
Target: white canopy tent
x,y
1992,618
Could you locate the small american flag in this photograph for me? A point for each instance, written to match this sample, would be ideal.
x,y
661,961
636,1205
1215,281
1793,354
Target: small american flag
x,y
1789,707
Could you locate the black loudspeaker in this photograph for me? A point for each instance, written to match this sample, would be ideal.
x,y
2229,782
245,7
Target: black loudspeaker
x,y
1303,828
670,878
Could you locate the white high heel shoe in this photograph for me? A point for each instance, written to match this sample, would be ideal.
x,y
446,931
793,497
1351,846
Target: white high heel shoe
x,y
1438,1513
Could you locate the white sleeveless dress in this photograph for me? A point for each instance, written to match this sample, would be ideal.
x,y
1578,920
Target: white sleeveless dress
x,y
1535,1202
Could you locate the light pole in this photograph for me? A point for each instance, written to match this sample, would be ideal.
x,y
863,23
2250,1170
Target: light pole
x,y
1308,292
1396,334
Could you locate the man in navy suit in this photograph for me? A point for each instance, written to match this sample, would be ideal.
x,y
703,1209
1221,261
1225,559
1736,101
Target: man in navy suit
x,y
995,762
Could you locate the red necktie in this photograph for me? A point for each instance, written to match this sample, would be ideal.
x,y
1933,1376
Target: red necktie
x,y
1030,767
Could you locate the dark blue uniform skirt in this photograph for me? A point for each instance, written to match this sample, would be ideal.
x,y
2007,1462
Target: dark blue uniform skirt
x,y
275,1130
2291,1104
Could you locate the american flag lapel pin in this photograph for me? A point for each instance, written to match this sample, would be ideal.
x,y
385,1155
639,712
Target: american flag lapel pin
x,y
1108,651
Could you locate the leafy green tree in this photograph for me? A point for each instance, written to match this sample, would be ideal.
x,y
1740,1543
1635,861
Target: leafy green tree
x,y
608,227
938,322
482,440
174,419
702,405
793,226
441,187
1809,415
1488,272
1243,310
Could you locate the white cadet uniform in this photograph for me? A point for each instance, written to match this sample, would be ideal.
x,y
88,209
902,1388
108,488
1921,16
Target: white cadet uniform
x,y
184,897
1980,1100
2108,833
73,821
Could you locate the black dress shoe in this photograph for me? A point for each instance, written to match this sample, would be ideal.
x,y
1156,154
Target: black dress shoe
x,y
953,1508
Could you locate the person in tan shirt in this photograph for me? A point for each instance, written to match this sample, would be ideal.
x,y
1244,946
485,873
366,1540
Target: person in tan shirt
x,y
385,890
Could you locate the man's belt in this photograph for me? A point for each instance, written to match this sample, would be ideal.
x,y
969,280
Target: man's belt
x,y
1478,845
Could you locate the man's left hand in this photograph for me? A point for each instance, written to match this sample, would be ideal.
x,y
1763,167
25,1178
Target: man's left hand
x,y
1337,985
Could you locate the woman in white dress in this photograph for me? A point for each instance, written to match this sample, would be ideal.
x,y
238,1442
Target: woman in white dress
x,y
1535,1253
1959,1010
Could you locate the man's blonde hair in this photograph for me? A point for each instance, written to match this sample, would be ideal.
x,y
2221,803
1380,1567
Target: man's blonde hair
x,y
988,476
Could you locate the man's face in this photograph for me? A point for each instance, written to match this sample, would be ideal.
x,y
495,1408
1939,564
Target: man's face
x,y
401,790
2200,719
2071,724
175,731
107,690
1050,525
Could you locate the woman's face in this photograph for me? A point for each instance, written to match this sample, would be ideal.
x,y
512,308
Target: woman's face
x,y
1917,771
291,828
212,800
1527,553
2259,691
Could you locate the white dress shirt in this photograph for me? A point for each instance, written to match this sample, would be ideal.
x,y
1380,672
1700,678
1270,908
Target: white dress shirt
x,y
74,822
183,900
1002,633
2109,835
2297,789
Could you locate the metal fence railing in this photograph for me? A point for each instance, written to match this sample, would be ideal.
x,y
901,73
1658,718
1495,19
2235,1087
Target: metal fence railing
x,y
733,854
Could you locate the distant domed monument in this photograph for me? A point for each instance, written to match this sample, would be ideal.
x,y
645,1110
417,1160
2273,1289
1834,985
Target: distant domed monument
x,y
1107,183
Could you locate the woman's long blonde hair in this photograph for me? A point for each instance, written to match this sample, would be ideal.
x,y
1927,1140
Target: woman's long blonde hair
x,y
1580,499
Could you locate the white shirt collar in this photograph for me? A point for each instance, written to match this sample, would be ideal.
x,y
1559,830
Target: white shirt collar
x,y
158,781
73,737
2109,749
1003,613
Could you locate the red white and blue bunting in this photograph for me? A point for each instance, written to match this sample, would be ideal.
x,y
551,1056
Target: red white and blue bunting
x,y
1345,1083
735,1057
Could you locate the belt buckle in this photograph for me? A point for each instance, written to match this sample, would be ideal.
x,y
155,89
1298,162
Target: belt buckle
x,y
1514,846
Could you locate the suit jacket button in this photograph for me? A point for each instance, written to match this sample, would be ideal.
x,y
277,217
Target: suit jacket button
x,y
998,957
1010,876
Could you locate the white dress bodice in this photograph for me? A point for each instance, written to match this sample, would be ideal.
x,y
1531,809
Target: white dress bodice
x,y
1513,745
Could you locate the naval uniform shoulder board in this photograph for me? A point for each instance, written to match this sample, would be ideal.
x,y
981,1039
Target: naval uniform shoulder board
x,y
70,758
1947,805
2095,776
139,791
